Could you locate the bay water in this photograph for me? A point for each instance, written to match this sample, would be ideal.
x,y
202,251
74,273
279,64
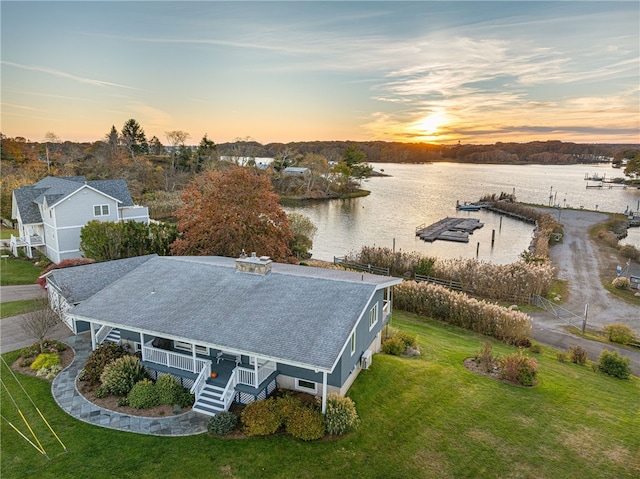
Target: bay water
x,y
414,195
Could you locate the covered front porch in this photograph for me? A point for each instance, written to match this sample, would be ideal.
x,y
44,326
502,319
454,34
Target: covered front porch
x,y
216,377
28,242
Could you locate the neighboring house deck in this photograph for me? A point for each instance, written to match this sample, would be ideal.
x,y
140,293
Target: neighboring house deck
x,y
254,324
51,213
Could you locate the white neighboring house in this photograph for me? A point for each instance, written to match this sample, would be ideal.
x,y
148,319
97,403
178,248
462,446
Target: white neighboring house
x,y
52,212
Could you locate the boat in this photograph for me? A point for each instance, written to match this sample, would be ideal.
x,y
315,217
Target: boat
x,y
467,207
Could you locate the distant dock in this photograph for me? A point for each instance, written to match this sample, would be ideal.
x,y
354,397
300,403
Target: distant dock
x,y
449,229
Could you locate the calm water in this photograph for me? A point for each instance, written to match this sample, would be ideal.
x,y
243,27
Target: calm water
x,y
423,194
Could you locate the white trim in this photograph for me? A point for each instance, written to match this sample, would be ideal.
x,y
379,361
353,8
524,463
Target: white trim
x,y
313,390
81,188
352,342
101,212
373,314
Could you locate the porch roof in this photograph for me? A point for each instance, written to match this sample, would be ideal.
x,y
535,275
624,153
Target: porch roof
x,y
294,313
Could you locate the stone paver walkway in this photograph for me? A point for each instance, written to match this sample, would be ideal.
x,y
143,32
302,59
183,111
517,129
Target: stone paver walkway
x,y
73,403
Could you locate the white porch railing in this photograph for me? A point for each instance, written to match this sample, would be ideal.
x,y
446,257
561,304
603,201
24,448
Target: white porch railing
x,y
173,360
386,309
248,375
201,380
102,333
230,390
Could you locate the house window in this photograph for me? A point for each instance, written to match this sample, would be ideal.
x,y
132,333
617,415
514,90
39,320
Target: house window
x,y
181,345
373,316
353,343
100,210
307,386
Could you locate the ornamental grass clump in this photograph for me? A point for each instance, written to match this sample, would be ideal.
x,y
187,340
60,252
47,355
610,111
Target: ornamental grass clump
x,y
119,377
621,282
340,416
437,302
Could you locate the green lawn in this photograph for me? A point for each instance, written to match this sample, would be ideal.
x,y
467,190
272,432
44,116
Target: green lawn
x,y
5,233
13,308
422,417
18,271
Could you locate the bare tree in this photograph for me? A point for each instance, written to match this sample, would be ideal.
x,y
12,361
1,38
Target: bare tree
x,y
50,139
175,139
38,323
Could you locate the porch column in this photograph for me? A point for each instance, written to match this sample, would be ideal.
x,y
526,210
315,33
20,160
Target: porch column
x,y
193,357
142,346
324,392
255,368
93,336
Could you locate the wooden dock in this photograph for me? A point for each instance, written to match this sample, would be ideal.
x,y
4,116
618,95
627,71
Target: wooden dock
x,y
449,229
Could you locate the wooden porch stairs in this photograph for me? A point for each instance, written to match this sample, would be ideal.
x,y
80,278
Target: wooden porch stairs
x,y
210,401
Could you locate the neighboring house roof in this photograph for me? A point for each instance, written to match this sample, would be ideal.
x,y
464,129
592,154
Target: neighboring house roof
x,y
78,283
295,314
296,170
53,189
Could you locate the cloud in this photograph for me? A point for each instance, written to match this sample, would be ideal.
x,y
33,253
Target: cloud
x,y
69,76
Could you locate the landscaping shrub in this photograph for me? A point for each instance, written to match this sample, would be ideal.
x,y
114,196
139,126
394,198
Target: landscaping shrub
x,y
578,355
185,398
535,348
620,333
340,415
143,395
485,356
286,406
99,359
519,368
45,361
119,377
30,353
611,363
305,423
260,418
562,357
394,346
169,391
222,423
621,282
437,302
629,251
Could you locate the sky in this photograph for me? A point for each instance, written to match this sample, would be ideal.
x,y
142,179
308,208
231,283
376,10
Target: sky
x,y
438,72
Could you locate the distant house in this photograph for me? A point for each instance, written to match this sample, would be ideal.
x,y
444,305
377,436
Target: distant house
x,y
231,330
51,213
296,171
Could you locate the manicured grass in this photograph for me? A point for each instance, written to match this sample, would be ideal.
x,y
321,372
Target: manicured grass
x,y
18,271
5,233
425,416
14,308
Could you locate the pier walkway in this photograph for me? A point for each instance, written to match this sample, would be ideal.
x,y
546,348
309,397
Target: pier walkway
x,y
449,229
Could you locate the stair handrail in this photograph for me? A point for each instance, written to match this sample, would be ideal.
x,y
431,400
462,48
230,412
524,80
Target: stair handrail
x,y
201,380
229,390
102,333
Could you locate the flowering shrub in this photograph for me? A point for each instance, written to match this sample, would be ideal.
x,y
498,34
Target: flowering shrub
x,y
437,302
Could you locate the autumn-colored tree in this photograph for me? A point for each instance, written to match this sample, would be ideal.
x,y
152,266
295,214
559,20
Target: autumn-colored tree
x,y
229,210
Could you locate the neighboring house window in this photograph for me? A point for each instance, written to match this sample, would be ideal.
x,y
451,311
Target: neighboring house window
x,y
308,386
353,343
373,316
100,210
187,347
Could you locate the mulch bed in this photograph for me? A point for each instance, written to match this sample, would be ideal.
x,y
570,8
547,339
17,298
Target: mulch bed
x,y
475,366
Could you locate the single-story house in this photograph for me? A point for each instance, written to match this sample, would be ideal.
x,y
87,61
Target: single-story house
x,y
231,329
52,212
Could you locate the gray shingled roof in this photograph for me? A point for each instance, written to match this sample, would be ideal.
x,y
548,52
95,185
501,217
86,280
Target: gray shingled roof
x,y
293,314
54,189
78,283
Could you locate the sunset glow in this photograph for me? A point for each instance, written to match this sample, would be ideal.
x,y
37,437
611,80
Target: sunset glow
x,y
442,72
